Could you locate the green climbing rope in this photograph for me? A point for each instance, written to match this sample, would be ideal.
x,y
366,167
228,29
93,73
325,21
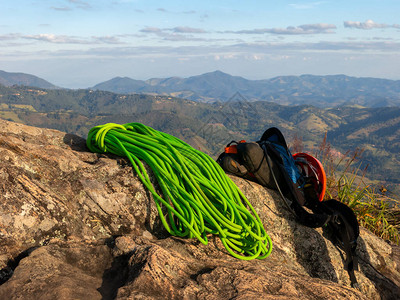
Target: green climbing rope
x,y
196,193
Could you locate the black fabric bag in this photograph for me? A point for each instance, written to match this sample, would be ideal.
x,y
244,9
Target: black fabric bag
x,y
270,163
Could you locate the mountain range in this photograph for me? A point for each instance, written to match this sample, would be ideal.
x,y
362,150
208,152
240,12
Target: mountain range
x,y
209,125
320,91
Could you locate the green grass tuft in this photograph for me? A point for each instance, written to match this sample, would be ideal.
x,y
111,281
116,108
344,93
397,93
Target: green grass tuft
x,y
347,182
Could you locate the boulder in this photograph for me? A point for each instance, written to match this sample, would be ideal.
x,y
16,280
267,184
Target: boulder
x,y
80,225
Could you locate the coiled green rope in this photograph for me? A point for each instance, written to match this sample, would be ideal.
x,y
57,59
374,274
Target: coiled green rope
x,y
198,196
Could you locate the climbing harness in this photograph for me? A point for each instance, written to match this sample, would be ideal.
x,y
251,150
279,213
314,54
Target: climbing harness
x,y
196,195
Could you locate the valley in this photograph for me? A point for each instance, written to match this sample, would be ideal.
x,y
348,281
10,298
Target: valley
x,y
210,126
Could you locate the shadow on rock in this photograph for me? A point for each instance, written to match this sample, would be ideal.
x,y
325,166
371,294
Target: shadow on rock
x,y
7,272
386,288
115,277
75,142
309,246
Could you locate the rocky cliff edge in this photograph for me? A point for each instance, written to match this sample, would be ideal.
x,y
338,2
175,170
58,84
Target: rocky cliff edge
x,y
79,225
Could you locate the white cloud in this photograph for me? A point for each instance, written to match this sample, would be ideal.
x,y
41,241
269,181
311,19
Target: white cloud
x,y
9,37
52,38
374,58
280,57
185,12
282,50
367,25
73,3
151,30
255,57
183,29
80,4
319,28
106,39
66,39
375,44
179,38
64,8
178,33
378,38
248,31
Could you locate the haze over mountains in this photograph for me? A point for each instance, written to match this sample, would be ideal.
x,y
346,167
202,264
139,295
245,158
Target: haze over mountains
x,y
321,91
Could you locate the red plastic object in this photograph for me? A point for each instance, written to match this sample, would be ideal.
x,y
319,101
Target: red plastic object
x,y
312,167
231,149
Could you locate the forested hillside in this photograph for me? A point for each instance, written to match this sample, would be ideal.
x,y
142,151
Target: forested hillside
x,y
209,126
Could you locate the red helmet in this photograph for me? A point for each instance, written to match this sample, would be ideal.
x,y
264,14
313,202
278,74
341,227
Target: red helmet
x,y
312,167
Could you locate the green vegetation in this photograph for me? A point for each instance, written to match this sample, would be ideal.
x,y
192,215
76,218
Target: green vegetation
x,y
374,209
10,116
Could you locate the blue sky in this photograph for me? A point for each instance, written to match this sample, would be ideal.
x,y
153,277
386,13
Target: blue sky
x,y
79,43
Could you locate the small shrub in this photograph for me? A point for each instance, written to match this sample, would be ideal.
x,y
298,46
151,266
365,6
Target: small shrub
x,y
347,182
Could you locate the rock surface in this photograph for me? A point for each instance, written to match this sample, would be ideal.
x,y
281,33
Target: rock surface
x,y
79,225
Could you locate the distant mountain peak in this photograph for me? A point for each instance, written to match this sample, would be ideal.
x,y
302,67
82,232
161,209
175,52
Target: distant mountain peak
x,y
9,79
124,78
217,72
317,90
